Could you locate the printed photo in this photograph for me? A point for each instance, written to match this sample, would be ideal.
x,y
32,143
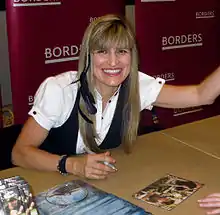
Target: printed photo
x,y
168,191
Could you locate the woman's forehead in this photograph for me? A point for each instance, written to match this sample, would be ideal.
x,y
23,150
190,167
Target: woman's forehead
x,y
111,44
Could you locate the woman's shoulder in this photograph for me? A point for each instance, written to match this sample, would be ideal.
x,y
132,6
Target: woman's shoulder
x,y
144,76
63,79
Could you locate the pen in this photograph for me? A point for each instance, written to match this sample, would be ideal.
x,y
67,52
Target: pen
x,y
103,162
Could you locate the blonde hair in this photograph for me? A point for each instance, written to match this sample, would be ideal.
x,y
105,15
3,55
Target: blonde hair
x,y
105,32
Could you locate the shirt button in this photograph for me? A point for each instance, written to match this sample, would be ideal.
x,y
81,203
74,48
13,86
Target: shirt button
x,y
34,112
160,82
109,101
102,117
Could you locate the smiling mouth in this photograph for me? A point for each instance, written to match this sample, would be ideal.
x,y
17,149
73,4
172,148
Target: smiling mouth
x,y
112,71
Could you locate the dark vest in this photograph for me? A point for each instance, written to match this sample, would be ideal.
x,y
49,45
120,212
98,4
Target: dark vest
x,y
63,140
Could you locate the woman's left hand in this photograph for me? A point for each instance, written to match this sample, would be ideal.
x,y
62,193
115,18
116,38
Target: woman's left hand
x,y
211,202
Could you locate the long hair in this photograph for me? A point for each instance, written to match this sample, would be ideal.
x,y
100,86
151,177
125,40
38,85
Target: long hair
x,y
103,33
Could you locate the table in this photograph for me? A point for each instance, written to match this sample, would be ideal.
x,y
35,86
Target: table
x,y
203,135
154,155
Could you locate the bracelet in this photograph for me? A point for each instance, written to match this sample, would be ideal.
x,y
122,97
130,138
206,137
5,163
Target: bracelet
x,y
61,166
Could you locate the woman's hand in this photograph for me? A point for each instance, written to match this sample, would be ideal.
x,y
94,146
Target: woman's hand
x,y
211,202
90,165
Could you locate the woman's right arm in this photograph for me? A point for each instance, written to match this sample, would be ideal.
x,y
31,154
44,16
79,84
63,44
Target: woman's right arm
x,y
26,154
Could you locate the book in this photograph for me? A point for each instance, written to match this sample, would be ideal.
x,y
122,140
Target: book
x,y
16,197
81,198
168,191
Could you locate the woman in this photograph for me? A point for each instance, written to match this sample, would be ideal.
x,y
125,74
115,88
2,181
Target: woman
x,y
98,107
211,202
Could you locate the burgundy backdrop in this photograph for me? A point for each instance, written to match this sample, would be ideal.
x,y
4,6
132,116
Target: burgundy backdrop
x,y
178,41
44,39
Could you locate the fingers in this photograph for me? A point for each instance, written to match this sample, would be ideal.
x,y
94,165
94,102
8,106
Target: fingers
x,y
211,201
95,173
104,157
215,211
214,195
92,166
97,161
212,204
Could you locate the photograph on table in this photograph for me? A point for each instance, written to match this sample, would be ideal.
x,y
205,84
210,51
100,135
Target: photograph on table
x,y
168,191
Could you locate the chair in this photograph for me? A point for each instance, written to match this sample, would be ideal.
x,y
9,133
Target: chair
x,y
153,123
8,138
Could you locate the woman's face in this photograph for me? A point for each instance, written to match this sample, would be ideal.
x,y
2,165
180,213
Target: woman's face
x,y
110,68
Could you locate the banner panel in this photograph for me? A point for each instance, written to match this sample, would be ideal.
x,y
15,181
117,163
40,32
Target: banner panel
x,y
178,41
44,39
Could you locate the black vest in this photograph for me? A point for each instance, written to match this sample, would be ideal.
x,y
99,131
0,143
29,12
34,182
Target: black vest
x,y
63,140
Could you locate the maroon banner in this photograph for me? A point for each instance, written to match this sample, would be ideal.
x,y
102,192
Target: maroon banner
x,y
44,39
178,41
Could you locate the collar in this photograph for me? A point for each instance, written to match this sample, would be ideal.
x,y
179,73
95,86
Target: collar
x,y
99,96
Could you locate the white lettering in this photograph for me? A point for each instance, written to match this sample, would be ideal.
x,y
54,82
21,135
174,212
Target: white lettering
x,y
183,39
64,51
205,14
48,53
30,100
34,1
170,76
183,111
91,19
57,52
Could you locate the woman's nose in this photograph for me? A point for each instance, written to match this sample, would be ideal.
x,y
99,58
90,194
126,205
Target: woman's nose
x,y
112,59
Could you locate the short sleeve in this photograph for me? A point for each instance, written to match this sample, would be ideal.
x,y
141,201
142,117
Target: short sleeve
x,y
149,90
47,106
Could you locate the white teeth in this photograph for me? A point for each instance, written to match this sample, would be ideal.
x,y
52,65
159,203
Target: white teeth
x,y
112,71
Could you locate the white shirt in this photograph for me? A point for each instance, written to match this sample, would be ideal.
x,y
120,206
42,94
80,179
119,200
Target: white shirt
x,y
55,99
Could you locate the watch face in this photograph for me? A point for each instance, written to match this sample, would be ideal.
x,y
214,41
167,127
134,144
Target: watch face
x,y
69,193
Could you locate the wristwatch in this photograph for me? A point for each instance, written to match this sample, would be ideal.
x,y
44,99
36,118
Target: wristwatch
x,y
61,166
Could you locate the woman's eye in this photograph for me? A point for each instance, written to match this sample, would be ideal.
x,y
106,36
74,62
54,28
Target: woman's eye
x,y
101,51
122,51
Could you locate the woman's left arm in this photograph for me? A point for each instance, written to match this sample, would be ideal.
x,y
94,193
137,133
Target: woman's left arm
x,y
188,96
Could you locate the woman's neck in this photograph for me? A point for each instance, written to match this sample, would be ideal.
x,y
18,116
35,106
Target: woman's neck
x,y
106,92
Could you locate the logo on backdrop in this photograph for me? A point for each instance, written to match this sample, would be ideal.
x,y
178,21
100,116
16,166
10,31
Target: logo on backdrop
x,y
61,54
156,0
205,14
169,76
91,19
182,41
184,111
32,3
30,100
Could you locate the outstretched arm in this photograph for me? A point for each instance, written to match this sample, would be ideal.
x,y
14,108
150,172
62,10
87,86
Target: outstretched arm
x,y
188,96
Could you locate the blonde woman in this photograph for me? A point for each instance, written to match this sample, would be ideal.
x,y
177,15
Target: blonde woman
x,y
97,107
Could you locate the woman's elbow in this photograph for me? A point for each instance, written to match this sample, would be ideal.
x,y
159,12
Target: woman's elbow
x,y
206,101
16,155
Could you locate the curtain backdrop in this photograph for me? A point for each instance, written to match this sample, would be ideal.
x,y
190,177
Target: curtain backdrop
x,y
178,41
